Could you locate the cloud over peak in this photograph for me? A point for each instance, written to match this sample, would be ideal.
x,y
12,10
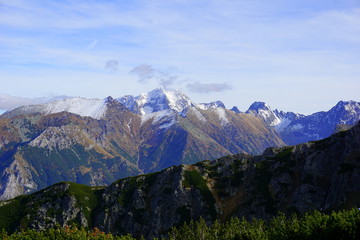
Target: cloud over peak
x,y
146,72
208,87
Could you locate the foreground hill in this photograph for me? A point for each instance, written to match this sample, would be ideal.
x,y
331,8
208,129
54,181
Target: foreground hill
x,y
95,142
321,175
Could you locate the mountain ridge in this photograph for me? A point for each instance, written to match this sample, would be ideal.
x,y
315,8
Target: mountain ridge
x,y
296,128
41,148
45,144
292,127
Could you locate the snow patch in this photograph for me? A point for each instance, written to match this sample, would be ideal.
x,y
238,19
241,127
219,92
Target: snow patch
x,y
201,106
222,116
158,116
280,126
128,124
268,114
198,114
94,108
297,127
146,110
165,118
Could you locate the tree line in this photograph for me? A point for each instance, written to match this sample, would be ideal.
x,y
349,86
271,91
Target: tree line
x,y
339,225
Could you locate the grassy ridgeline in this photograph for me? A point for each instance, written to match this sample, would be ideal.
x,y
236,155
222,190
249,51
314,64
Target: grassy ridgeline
x,y
314,225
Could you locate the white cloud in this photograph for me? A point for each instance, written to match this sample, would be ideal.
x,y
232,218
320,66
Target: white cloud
x,y
144,72
208,87
147,73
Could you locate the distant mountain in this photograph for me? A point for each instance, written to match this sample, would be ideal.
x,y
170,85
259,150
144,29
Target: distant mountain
x,y
322,175
94,108
235,109
297,128
96,141
276,119
8,102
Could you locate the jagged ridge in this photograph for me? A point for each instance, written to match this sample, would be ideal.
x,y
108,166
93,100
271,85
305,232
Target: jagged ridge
x,y
296,128
38,150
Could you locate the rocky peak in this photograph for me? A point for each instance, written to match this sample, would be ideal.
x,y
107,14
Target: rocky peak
x,y
109,99
345,112
264,112
289,115
114,105
235,109
256,106
346,104
211,105
130,103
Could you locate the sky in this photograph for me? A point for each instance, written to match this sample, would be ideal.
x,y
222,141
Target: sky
x,y
295,55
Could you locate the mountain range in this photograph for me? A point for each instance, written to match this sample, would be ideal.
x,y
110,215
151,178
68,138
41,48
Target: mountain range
x,y
95,141
322,175
295,128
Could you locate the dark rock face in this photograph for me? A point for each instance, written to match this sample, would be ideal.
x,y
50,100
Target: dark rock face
x,y
235,109
151,205
322,175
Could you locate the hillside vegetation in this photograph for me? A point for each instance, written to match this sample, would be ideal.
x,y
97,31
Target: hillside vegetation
x,y
313,225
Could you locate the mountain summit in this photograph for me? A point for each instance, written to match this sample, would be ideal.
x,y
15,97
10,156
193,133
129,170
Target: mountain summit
x,y
158,100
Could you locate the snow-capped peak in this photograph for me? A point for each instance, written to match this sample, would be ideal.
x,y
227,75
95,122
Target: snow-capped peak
x,y
277,120
263,111
94,108
158,100
256,106
347,112
349,106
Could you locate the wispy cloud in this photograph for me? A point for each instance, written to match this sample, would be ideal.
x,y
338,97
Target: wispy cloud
x,y
208,87
92,44
112,65
146,72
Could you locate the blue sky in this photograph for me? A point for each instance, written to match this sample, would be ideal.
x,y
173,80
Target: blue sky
x,y
301,56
